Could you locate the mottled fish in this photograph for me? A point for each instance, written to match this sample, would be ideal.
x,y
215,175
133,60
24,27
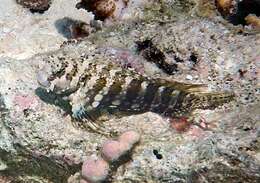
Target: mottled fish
x,y
96,87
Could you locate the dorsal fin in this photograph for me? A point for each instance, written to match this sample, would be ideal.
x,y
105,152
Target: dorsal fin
x,y
185,87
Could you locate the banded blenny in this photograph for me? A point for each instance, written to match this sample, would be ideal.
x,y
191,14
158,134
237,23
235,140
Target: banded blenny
x,y
96,87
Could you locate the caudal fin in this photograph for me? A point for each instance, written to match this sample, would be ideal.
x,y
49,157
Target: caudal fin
x,y
210,100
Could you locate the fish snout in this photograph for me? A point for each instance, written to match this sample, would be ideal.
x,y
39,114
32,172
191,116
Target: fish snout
x,y
42,78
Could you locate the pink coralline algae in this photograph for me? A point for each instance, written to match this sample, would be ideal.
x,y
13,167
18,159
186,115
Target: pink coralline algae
x,y
130,138
96,170
112,150
196,132
180,124
24,102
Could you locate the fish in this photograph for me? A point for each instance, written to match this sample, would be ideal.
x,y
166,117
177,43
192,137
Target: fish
x,y
96,87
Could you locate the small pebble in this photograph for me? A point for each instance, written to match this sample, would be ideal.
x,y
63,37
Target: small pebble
x,y
189,77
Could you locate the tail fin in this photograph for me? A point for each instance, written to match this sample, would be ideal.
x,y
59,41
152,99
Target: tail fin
x,y
211,100
198,96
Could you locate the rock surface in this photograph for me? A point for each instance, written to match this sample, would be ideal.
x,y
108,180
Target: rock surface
x,y
39,142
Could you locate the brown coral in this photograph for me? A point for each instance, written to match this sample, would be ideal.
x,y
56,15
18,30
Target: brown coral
x,y
34,6
253,20
225,6
103,9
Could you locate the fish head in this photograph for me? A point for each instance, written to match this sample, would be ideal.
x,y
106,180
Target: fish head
x,y
57,76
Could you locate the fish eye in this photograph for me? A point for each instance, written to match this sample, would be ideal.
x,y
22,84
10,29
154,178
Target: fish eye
x,y
57,74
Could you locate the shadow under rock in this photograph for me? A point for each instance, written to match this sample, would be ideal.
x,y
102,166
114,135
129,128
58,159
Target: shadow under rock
x,y
64,26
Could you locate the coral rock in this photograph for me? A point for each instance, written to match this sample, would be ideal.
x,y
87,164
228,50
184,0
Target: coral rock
x,y
35,5
95,170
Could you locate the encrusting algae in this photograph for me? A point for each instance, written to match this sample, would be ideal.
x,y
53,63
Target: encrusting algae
x,y
96,88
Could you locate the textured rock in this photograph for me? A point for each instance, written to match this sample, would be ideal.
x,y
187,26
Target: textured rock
x,y
35,5
24,34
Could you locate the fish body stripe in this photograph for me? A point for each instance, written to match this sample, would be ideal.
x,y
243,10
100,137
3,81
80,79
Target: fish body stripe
x,y
150,95
113,93
176,104
165,100
132,92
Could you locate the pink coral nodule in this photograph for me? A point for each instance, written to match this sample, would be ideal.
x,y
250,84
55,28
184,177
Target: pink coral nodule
x,y
95,170
112,150
130,137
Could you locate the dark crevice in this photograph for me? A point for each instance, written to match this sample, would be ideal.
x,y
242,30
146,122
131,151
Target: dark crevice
x,y
193,58
244,8
152,54
157,154
41,11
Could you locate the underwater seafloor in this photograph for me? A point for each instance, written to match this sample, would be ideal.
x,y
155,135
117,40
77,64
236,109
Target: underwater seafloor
x,y
39,142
